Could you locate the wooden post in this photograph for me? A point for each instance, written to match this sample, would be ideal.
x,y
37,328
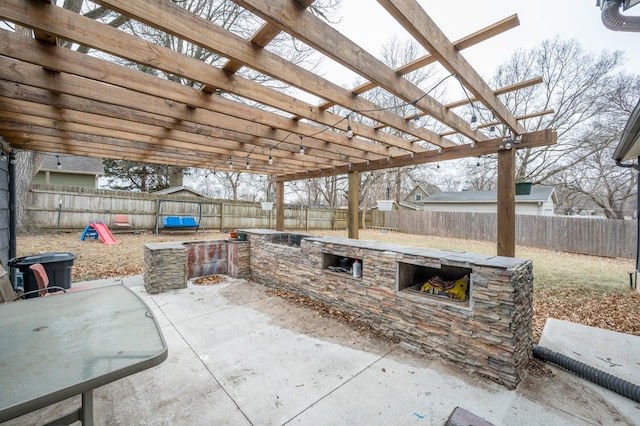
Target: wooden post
x,y
306,219
279,206
221,217
354,196
507,203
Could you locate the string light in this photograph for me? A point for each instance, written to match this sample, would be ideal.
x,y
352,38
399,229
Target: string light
x,y
474,121
248,166
3,156
478,162
12,159
58,165
349,130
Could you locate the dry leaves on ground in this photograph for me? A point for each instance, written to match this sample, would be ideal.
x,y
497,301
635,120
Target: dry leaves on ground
x,y
616,311
210,280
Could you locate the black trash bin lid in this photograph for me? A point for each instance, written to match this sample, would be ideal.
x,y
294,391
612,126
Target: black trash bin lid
x,y
41,258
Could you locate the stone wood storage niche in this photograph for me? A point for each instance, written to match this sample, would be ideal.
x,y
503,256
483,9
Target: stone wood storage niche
x,y
452,283
338,263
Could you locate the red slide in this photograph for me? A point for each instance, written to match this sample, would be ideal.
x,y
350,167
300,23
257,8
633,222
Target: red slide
x,y
104,233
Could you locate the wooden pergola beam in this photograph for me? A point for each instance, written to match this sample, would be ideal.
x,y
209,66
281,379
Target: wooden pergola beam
x,y
181,23
102,37
529,140
420,25
465,42
329,41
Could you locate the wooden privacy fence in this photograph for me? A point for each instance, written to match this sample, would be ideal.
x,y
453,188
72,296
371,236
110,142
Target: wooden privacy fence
x,y
58,207
598,237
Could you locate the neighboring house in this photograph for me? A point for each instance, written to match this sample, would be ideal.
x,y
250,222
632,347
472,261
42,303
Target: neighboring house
x,y
70,170
420,193
541,202
182,191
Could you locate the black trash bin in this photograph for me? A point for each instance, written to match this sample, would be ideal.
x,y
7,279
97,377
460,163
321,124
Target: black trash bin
x,y
57,265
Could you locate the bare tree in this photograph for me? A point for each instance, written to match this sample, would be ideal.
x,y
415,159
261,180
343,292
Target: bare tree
x,y
591,101
576,86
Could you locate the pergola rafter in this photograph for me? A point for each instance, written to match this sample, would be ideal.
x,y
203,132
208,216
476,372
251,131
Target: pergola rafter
x,y
57,100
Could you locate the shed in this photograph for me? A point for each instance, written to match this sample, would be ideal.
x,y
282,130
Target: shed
x,y
181,190
540,202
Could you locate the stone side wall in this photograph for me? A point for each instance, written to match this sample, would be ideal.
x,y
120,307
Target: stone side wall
x,y
490,334
165,267
238,259
168,266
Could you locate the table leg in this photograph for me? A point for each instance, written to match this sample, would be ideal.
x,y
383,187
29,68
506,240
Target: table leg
x,y
86,415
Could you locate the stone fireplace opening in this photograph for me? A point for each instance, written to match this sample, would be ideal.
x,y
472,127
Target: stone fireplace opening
x,y
448,282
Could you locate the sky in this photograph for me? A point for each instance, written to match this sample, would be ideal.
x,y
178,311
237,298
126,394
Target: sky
x,y
369,25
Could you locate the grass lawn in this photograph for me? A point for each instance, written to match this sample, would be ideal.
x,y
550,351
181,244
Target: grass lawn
x,y
584,289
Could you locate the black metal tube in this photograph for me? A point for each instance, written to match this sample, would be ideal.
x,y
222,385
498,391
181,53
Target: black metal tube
x,y
12,213
637,221
599,377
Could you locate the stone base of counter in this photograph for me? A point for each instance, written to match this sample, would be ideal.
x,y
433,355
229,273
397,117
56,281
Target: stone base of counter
x,y
489,333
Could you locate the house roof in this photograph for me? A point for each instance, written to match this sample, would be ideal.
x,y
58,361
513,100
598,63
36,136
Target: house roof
x,y
629,146
72,164
538,194
176,189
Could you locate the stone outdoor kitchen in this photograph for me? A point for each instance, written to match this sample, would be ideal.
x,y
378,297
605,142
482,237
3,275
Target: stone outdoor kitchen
x,y
488,332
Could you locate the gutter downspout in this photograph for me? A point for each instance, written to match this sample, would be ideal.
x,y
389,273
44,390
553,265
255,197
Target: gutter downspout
x,y
636,167
614,20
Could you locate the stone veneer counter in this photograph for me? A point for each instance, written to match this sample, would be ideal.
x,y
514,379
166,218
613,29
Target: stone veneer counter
x,y
488,333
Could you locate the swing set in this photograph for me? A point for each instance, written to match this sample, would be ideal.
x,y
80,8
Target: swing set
x,y
178,222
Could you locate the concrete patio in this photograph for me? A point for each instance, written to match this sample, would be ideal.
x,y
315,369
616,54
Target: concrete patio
x,y
240,356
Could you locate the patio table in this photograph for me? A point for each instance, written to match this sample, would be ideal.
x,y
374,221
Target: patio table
x,y
56,347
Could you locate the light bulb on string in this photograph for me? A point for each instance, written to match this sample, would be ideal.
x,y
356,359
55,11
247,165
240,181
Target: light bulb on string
x,y
248,166
230,163
301,146
270,159
474,122
349,130
58,165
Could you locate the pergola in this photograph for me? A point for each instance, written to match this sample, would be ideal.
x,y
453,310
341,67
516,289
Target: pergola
x,y
57,100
